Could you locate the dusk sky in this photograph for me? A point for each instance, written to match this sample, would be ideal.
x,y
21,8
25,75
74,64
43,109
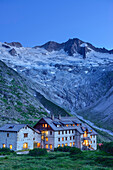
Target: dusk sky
x,y
34,22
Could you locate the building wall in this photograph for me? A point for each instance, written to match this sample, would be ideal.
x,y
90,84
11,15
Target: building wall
x,y
30,140
11,140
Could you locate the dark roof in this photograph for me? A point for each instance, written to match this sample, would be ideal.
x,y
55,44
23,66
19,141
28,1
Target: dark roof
x,y
67,120
14,127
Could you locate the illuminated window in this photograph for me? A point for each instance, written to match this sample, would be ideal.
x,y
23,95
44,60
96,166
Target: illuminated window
x,y
48,126
73,143
38,145
25,135
50,146
58,145
91,130
91,142
10,146
42,125
45,125
73,124
7,134
46,146
85,134
70,144
42,137
65,144
25,145
3,145
46,132
77,124
46,139
91,136
62,145
62,139
67,125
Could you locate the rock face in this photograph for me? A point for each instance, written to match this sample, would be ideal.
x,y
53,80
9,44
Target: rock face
x,y
13,52
15,44
73,46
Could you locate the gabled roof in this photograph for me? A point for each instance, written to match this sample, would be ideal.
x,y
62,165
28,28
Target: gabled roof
x,y
14,127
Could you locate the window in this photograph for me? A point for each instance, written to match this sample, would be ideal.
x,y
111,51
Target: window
x,y
62,139
85,134
7,134
42,125
3,145
46,146
25,135
58,132
62,132
73,137
38,145
46,139
91,136
73,143
42,137
70,137
25,145
26,127
66,131
66,125
10,146
94,141
69,131
73,124
33,138
58,145
65,138
50,132
59,139
62,145
48,126
65,144
77,124
45,125
70,144
91,142
50,146
72,131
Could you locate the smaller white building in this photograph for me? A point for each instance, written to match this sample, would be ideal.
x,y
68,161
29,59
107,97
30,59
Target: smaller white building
x,y
19,137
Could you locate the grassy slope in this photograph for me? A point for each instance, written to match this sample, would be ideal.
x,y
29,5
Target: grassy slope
x,y
59,161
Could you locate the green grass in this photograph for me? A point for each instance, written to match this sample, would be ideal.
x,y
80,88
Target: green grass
x,y
88,160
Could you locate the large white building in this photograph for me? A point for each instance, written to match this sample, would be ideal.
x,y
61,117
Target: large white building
x,y
49,133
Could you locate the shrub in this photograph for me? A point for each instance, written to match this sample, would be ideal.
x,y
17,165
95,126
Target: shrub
x,y
74,151
107,147
37,152
6,151
63,149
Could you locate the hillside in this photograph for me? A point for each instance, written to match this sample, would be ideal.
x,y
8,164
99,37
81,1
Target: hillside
x,y
18,101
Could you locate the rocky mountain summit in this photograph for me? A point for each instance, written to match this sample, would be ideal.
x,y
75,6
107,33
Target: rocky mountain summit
x,y
61,75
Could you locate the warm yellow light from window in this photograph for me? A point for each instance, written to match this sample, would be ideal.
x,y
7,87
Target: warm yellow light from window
x,y
46,139
67,125
65,144
62,139
62,145
58,145
45,125
46,146
42,125
25,145
73,124
42,137
73,143
85,134
77,124
3,145
50,146
70,144
38,145
10,146
46,132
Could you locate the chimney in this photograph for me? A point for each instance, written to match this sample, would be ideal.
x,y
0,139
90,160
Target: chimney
x,y
52,117
59,116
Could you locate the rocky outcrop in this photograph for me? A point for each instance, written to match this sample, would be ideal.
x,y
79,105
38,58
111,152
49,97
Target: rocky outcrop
x,y
13,52
6,46
15,44
73,46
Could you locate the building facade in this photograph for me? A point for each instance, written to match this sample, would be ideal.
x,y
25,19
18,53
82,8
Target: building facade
x,y
66,131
